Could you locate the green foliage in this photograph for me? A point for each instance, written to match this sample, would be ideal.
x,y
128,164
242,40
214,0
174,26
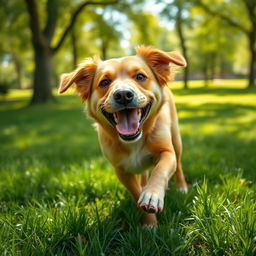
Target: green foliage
x,y
214,47
144,26
60,197
15,52
213,43
231,9
4,88
103,29
223,224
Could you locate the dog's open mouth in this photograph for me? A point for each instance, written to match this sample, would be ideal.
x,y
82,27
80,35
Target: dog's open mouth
x,y
128,121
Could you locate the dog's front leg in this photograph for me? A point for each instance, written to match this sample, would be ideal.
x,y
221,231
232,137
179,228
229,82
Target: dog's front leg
x,y
133,185
130,181
151,199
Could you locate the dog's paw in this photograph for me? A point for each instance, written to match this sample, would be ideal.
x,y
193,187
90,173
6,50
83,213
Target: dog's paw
x,y
151,202
183,190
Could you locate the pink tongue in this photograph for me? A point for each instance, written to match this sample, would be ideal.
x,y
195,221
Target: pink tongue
x,y
128,122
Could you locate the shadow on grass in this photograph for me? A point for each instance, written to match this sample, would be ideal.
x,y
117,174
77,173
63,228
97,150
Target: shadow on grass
x,y
212,112
216,91
59,135
50,157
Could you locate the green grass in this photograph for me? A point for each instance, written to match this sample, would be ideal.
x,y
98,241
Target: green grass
x,y
58,196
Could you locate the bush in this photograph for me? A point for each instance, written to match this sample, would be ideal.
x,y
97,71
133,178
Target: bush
x,y
4,88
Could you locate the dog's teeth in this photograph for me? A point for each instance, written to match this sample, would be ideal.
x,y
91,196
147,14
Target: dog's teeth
x,y
139,113
115,117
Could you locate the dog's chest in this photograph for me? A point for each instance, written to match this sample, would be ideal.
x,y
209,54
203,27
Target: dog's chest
x,y
137,161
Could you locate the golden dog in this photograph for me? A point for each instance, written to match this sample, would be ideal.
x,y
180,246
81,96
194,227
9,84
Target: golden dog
x,y
136,120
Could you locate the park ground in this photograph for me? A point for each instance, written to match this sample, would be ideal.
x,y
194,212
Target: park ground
x,y
58,196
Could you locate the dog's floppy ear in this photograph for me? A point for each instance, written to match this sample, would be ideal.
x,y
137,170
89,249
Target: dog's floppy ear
x,y
161,62
82,77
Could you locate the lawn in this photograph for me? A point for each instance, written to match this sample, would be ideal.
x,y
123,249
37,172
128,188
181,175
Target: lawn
x,y
58,196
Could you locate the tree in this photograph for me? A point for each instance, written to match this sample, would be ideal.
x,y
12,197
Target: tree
x,y
230,12
14,49
145,27
42,43
177,11
213,43
104,30
74,46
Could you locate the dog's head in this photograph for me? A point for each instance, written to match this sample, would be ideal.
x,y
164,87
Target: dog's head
x,y
124,94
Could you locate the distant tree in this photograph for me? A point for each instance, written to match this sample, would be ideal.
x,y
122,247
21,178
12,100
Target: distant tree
x,y
142,26
14,40
104,30
177,11
240,14
145,27
4,88
98,27
211,49
42,41
74,39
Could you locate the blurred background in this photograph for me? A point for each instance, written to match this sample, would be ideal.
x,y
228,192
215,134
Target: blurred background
x,y
42,39
58,195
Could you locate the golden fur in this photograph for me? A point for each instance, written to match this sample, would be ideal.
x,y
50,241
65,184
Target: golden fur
x,y
158,144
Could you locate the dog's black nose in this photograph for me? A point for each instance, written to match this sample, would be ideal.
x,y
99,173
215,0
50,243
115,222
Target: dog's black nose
x,y
123,96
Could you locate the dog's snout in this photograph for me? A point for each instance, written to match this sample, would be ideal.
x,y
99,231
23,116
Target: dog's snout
x,y
123,96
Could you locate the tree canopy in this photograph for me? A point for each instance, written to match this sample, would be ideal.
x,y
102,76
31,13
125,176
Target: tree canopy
x,y
42,39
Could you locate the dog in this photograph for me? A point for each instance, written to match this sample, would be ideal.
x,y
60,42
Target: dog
x,y
136,120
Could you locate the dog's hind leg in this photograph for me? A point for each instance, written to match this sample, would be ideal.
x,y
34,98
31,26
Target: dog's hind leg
x,y
180,181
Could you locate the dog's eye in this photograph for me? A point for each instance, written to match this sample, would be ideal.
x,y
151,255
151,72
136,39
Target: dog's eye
x,y
140,77
105,83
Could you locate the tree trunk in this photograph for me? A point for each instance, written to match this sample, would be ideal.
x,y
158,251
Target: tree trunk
x,y
212,66
252,72
205,72
17,65
74,47
41,40
42,58
179,28
185,77
103,50
42,76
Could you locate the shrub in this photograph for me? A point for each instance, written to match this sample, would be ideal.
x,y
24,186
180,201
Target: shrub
x,y
4,88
